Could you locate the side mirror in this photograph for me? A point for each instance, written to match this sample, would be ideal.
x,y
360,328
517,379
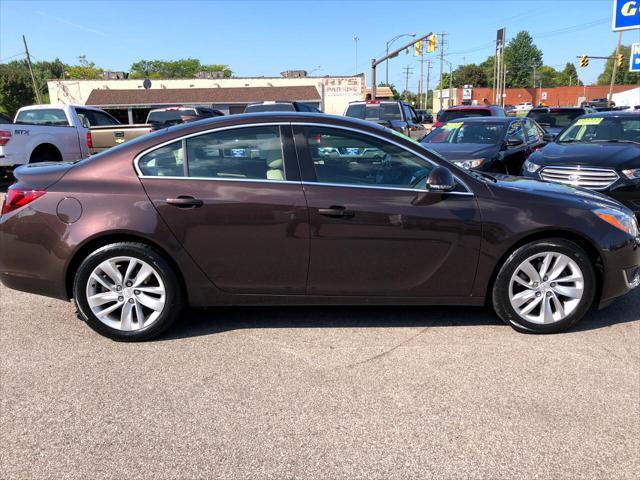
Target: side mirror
x,y
548,137
441,180
514,142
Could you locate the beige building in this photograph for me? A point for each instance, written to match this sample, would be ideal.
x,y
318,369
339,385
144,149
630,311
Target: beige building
x,y
129,100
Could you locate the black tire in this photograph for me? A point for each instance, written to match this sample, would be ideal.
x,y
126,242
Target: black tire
x,y
174,295
500,294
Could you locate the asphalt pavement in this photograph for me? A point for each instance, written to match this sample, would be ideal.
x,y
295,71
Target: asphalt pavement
x,y
329,392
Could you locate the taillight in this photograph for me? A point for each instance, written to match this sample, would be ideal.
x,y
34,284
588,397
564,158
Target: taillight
x,y
17,198
89,140
5,136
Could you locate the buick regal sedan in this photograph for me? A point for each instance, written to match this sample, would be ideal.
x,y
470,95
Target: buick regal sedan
x,y
294,208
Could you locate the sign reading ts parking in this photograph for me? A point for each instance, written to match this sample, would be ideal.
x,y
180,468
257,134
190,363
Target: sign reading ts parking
x,y
626,15
634,59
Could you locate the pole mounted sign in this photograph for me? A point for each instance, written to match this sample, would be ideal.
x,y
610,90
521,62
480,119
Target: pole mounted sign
x,y
626,15
634,58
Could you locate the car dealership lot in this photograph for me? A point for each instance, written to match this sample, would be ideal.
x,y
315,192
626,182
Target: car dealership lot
x,y
319,393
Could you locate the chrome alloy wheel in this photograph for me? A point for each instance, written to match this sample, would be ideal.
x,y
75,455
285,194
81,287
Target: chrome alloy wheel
x,y
546,288
126,293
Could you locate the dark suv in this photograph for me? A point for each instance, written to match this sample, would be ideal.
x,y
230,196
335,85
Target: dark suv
x,y
394,114
555,119
466,111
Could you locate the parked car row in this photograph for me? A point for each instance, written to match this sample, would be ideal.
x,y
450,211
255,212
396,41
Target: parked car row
x,y
573,146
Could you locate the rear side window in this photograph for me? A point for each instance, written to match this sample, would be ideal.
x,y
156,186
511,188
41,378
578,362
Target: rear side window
x,y
449,115
43,116
167,161
252,153
91,118
163,116
374,111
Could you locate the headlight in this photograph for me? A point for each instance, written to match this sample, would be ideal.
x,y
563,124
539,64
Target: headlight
x,y
633,174
619,219
469,164
531,167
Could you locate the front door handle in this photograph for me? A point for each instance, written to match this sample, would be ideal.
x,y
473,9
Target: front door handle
x,y
185,201
336,212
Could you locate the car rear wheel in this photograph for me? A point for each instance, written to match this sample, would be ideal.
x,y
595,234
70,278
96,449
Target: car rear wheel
x,y
127,292
545,287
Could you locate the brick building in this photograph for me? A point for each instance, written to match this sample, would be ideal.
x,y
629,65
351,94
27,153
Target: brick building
x,y
557,96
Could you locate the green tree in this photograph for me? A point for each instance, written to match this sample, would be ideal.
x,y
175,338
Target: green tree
x,y
488,66
85,70
183,68
520,56
569,76
470,74
16,88
623,75
547,76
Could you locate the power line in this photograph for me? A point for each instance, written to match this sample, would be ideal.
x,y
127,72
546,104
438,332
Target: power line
x,y
12,56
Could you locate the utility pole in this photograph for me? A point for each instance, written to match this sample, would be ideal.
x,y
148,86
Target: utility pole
x,y
450,84
615,70
33,78
421,84
408,70
426,93
442,42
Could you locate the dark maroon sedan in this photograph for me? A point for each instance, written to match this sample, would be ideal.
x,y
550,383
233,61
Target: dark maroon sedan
x,y
293,208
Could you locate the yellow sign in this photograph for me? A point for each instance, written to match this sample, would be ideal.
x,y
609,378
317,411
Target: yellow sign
x,y
452,125
589,121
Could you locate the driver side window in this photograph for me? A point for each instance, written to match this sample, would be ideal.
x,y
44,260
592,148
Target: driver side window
x,y
349,158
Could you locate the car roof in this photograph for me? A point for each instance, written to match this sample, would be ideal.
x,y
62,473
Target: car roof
x,y
544,109
471,107
614,113
488,119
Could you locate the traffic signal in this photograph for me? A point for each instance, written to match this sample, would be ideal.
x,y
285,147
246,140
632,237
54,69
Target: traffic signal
x,y
584,61
620,59
432,43
418,48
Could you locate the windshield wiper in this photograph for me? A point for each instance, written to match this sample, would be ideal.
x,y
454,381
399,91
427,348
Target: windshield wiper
x,y
483,175
614,140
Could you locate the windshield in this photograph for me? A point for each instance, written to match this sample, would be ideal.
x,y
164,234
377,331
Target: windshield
x,y
162,116
471,132
555,117
270,107
466,113
374,111
603,129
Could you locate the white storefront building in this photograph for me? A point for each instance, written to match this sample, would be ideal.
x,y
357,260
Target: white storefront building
x,y
131,100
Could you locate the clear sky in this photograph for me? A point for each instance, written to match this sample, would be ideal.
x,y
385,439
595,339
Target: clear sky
x,y
263,38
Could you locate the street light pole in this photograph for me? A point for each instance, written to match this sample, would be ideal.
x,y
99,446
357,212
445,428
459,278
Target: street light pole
x,y
356,39
388,44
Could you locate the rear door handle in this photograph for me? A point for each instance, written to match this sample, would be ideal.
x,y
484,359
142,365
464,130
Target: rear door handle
x,y
185,201
336,212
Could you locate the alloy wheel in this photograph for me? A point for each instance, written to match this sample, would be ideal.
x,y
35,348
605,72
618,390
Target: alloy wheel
x,y
546,288
126,293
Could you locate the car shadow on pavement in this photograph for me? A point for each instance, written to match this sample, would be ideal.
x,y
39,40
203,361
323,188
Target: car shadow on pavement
x,y
197,322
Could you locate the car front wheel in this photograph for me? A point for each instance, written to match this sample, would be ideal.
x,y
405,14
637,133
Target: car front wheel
x,y
127,292
545,287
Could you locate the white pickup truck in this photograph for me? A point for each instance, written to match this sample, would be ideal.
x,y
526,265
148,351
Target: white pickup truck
x,y
49,133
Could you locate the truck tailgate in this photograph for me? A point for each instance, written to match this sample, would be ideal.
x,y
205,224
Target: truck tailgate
x,y
109,136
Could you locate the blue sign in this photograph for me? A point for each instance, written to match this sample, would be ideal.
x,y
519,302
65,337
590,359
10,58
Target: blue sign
x,y
634,60
626,15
